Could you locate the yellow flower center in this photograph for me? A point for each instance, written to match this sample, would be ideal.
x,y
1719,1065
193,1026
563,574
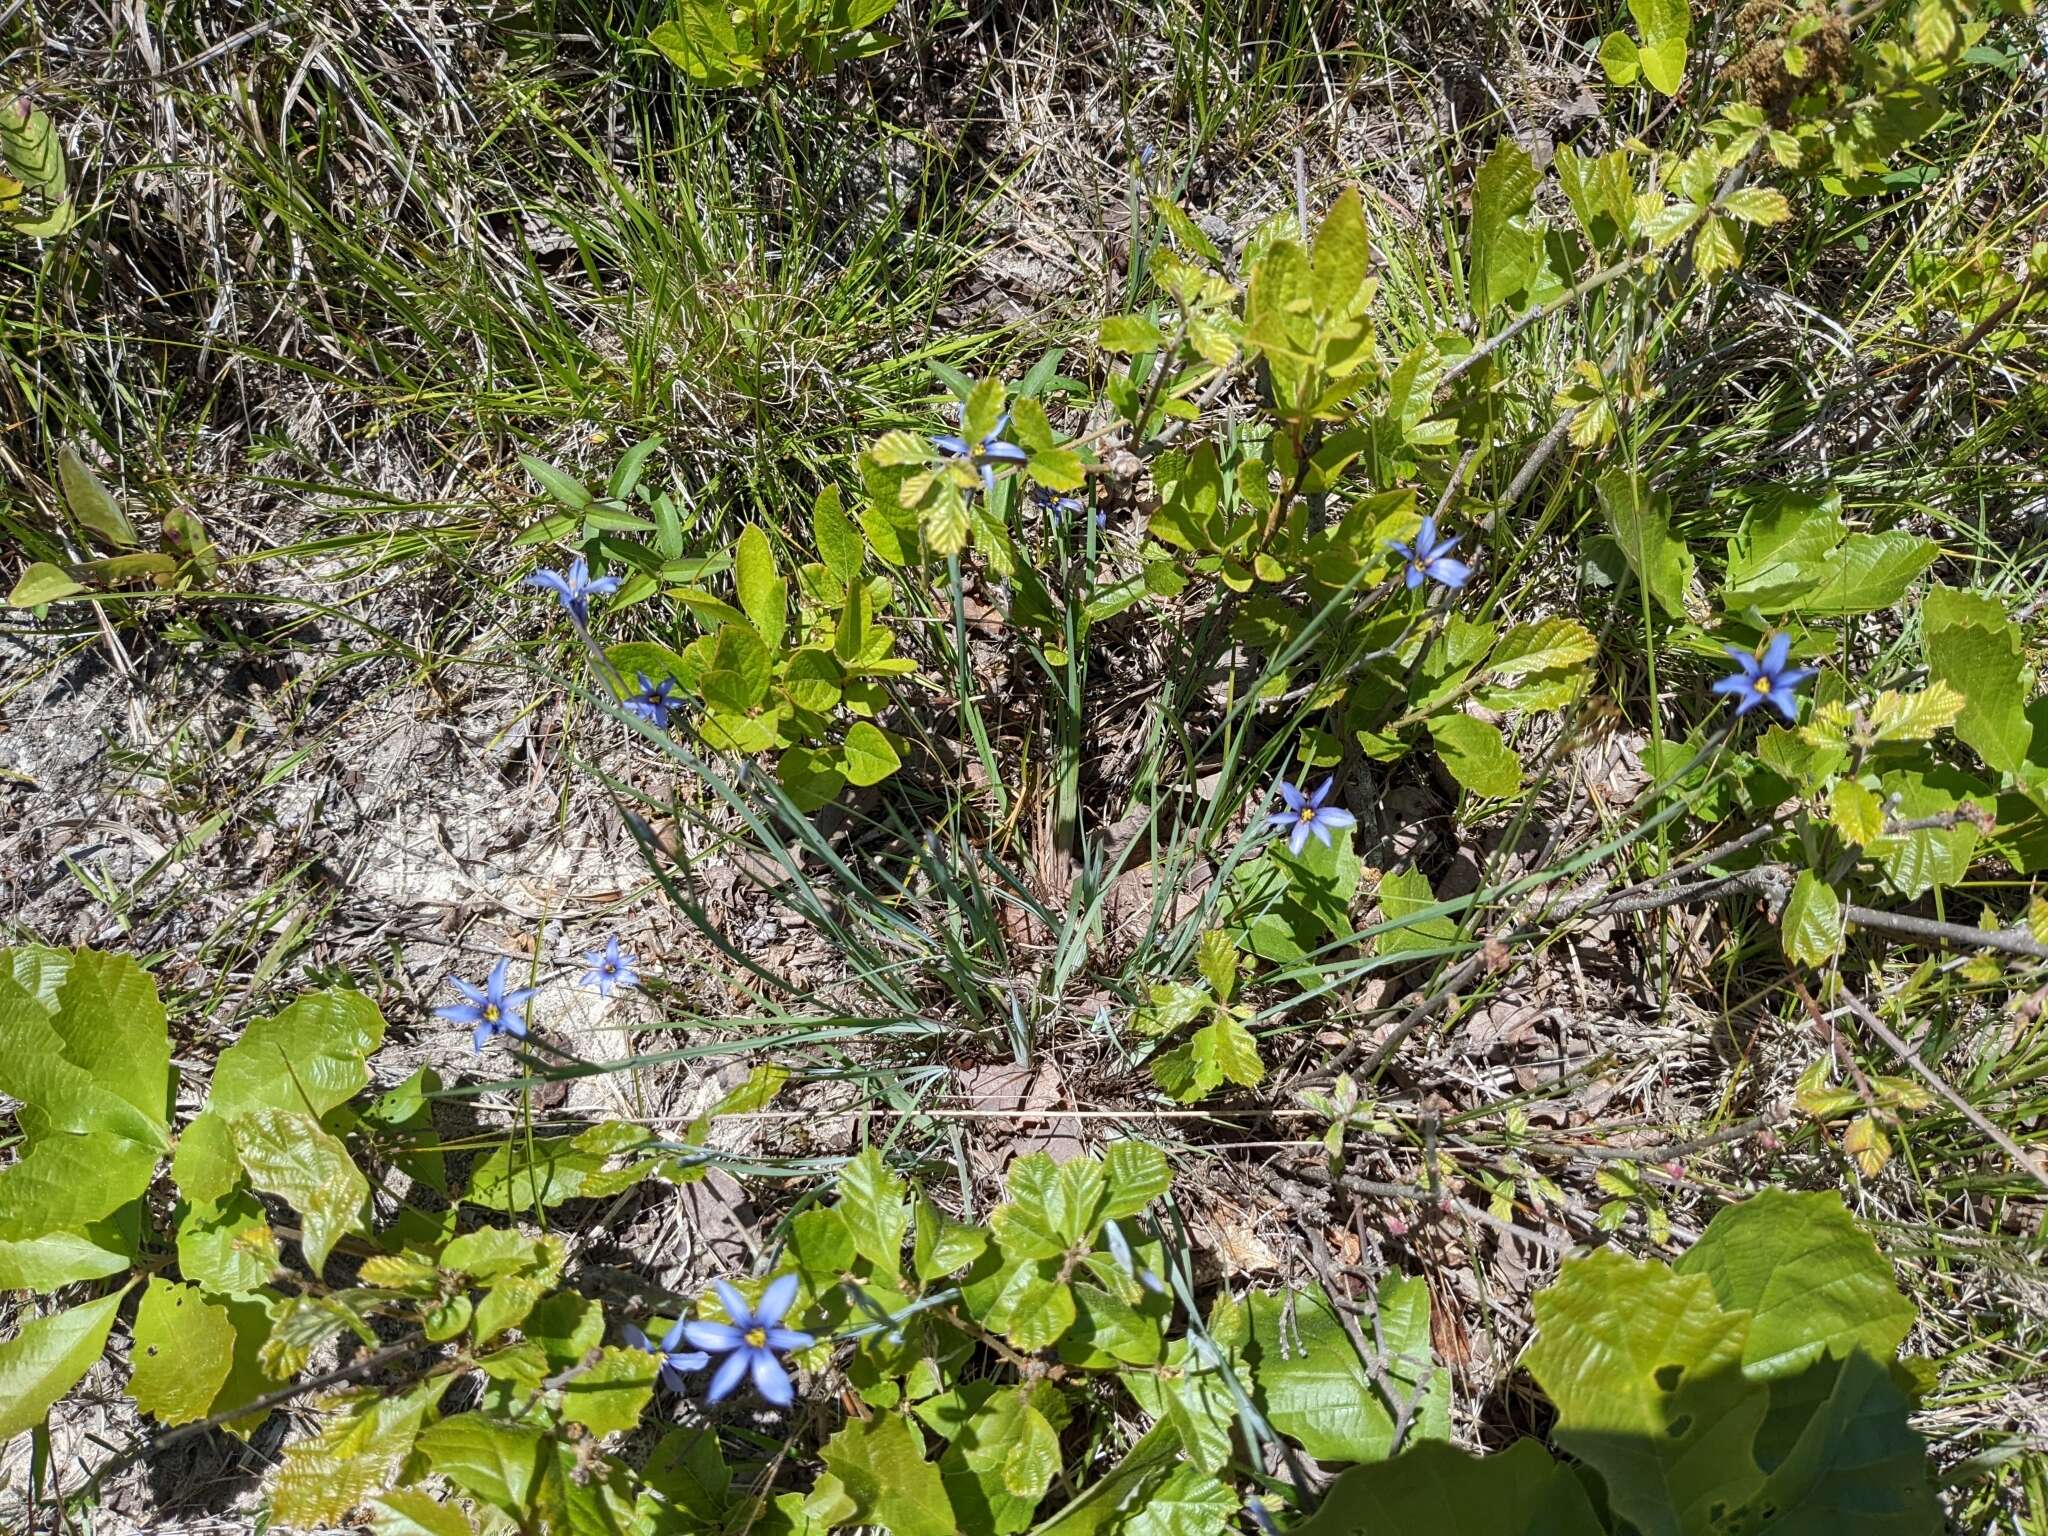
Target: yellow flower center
x,y
756,1337
1763,685
491,1013
1308,813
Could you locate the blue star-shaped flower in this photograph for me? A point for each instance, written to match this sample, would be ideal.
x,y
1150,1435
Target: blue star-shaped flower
x,y
609,968
492,1009
1761,677
1306,814
984,456
674,1359
575,587
653,700
751,1342
1431,557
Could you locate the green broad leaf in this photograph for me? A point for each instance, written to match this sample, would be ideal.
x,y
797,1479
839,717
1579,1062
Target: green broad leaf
x,y
492,1253
49,1261
612,1395
1029,1224
1043,1312
1199,1406
1619,59
763,594
1436,1487
737,670
409,1512
40,583
1779,554
287,1154
314,1054
988,1494
98,1062
811,778
1857,1464
564,489
504,1306
47,1358
900,448
1973,646
1645,1370
1030,428
1107,1329
881,1465
1641,522
1307,1378
851,639
814,1513
52,1062
1033,1458
687,1467
319,1481
183,1350
1870,572
1915,863
1406,891
1545,646
944,519
72,1183
517,1175
1057,469
1136,1174
204,1166
1130,335
872,1203
983,409
1188,1503
1340,260
1811,928
498,1463
1813,1281
1224,1051
1476,756
839,542
1503,249
943,1246
1663,64
1756,205
868,756
1102,1505
95,507
1855,813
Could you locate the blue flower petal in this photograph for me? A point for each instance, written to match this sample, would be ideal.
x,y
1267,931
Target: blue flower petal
x,y
1336,817
770,1379
1775,654
1451,573
776,1300
1291,796
734,1303
787,1339
716,1337
731,1372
